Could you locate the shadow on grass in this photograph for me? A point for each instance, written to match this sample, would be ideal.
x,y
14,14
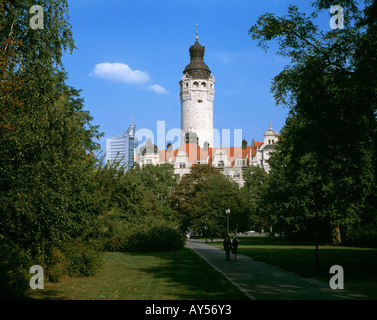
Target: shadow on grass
x,y
187,276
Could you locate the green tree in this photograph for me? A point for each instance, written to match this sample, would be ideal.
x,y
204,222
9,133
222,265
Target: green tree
x,y
256,182
218,195
46,158
161,179
184,199
330,133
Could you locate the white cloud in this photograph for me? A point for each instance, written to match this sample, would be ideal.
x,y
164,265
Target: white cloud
x,y
123,73
157,88
119,72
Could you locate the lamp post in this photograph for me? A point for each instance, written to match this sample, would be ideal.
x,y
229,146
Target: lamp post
x,y
311,180
227,212
205,230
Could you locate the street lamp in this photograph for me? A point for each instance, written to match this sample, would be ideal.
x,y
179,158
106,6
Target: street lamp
x,y
205,230
311,180
227,212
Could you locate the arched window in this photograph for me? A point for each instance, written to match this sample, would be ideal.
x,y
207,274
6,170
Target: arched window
x,y
196,84
203,84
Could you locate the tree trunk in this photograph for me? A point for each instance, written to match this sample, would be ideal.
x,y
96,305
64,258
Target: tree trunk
x,y
336,238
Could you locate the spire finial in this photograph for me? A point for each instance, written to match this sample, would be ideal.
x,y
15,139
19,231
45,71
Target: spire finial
x,y
196,33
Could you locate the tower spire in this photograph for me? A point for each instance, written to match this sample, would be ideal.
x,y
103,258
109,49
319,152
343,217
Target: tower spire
x,y
196,33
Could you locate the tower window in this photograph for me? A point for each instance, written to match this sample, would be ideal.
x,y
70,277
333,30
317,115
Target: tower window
x,y
200,101
196,84
203,84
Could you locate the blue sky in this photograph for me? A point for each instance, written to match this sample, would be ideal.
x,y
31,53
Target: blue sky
x,y
131,55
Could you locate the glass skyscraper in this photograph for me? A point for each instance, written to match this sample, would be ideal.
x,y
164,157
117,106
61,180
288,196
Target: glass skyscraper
x,y
122,148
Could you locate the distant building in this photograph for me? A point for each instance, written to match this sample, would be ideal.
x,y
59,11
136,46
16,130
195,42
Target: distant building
x,y
122,148
265,149
229,160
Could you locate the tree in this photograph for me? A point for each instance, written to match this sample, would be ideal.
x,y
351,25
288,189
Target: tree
x,y
47,141
330,133
218,195
159,179
184,199
256,181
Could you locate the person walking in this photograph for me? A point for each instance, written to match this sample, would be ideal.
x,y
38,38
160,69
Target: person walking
x,y
234,244
227,246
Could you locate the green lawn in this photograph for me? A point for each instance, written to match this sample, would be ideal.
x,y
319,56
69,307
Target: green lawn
x,y
174,275
359,264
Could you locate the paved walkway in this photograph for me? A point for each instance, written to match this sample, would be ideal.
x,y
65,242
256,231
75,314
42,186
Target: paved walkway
x,y
260,281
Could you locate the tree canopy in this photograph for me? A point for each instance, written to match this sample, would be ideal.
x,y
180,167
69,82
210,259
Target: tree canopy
x,y
330,132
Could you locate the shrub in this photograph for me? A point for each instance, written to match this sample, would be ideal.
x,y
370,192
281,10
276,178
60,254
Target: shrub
x,y
80,259
362,237
157,236
15,264
144,234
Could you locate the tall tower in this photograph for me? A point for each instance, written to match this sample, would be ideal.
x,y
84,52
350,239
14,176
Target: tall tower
x,y
197,93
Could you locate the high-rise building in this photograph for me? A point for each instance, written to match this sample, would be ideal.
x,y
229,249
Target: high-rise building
x,y
122,148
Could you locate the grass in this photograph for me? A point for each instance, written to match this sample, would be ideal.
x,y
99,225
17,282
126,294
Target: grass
x,y
359,264
174,275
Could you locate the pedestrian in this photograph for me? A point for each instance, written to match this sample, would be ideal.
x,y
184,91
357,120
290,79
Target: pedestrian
x,y
234,242
227,246
188,237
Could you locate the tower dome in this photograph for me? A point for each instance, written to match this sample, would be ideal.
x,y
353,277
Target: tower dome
x,y
197,67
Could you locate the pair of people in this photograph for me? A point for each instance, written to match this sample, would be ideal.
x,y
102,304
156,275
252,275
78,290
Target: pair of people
x,y
230,244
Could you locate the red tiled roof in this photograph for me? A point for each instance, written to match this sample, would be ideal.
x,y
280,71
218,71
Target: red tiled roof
x,y
196,153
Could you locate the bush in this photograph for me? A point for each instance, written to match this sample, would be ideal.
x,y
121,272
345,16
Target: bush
x,y
362,238
80,259
144,234
154,237
15,264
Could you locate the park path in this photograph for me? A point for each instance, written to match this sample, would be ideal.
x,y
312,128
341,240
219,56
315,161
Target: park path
x,y
260,281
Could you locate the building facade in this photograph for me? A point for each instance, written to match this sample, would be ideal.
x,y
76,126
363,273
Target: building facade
x,y
122,148
231,161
